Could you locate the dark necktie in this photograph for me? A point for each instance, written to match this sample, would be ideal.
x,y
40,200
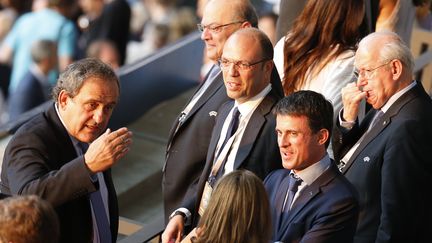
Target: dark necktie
x,y
232,128
292,189
101,217
98,206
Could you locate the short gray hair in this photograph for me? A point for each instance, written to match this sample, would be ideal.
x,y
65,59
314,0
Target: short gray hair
x,y
393,48
72,79
43,49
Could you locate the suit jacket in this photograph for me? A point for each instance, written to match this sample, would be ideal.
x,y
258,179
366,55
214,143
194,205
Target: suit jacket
x,y
28,95
391,169
258,150
41,159
325,211
188,145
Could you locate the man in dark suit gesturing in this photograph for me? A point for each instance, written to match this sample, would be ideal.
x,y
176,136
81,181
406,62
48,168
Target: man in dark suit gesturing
x,y
387,156
64,154
243,136
310,199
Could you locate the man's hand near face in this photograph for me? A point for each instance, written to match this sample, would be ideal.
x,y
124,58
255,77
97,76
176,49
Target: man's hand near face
x,y
107,149
352,95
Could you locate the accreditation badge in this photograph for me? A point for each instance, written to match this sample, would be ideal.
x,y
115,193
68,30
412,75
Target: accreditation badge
x,y
205,198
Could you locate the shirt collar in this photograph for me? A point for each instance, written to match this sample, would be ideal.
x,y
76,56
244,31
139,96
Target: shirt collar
x,y
396,96
75,141
311,173
247,107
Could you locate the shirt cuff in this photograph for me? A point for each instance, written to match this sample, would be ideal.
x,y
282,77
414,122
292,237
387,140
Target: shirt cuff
x,y
345,124
186,212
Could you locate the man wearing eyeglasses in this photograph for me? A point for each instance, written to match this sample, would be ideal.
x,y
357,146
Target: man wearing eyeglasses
x,y
251,144
387,155
190,134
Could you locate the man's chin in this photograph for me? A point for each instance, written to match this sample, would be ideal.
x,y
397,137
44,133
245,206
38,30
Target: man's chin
x,y
287,164
88,138
212,54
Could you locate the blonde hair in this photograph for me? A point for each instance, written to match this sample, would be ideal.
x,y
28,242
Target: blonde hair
x,y
238,211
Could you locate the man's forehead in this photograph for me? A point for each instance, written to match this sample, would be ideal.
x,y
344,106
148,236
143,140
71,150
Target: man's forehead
x,y
217,12
363,57
241,43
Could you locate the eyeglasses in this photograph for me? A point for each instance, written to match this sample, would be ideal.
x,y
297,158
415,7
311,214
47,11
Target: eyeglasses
x,y
214,27
242,65
367,73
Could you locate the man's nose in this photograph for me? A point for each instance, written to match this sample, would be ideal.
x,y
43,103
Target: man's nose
x,y
98,116
233,69
283,142
361,82
205,35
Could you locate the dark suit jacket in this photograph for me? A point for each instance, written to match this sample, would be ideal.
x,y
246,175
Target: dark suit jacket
x,y
188,145
325,211
392,170
258,150
41,159
28,95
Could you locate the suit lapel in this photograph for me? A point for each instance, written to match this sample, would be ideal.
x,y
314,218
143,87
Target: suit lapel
x,y
384,122
280,199
253,128
218,127
380,125
211,90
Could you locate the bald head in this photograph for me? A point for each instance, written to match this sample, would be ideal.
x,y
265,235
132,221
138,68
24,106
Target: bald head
x,y
240,10
255,37
220,19
247,63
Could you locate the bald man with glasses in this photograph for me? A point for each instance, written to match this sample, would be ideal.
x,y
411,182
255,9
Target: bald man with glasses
x,y
386,156
244,135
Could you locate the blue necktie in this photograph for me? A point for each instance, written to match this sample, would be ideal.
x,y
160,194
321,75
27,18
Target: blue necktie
x,y
101,217
103,227
292,189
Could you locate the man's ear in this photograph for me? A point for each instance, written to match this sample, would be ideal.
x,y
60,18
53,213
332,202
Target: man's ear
x,y
396,68
269,65
62,99
268,68
323,136
246,24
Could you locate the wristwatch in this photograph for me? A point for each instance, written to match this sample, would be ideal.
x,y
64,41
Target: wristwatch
x,y
177,212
